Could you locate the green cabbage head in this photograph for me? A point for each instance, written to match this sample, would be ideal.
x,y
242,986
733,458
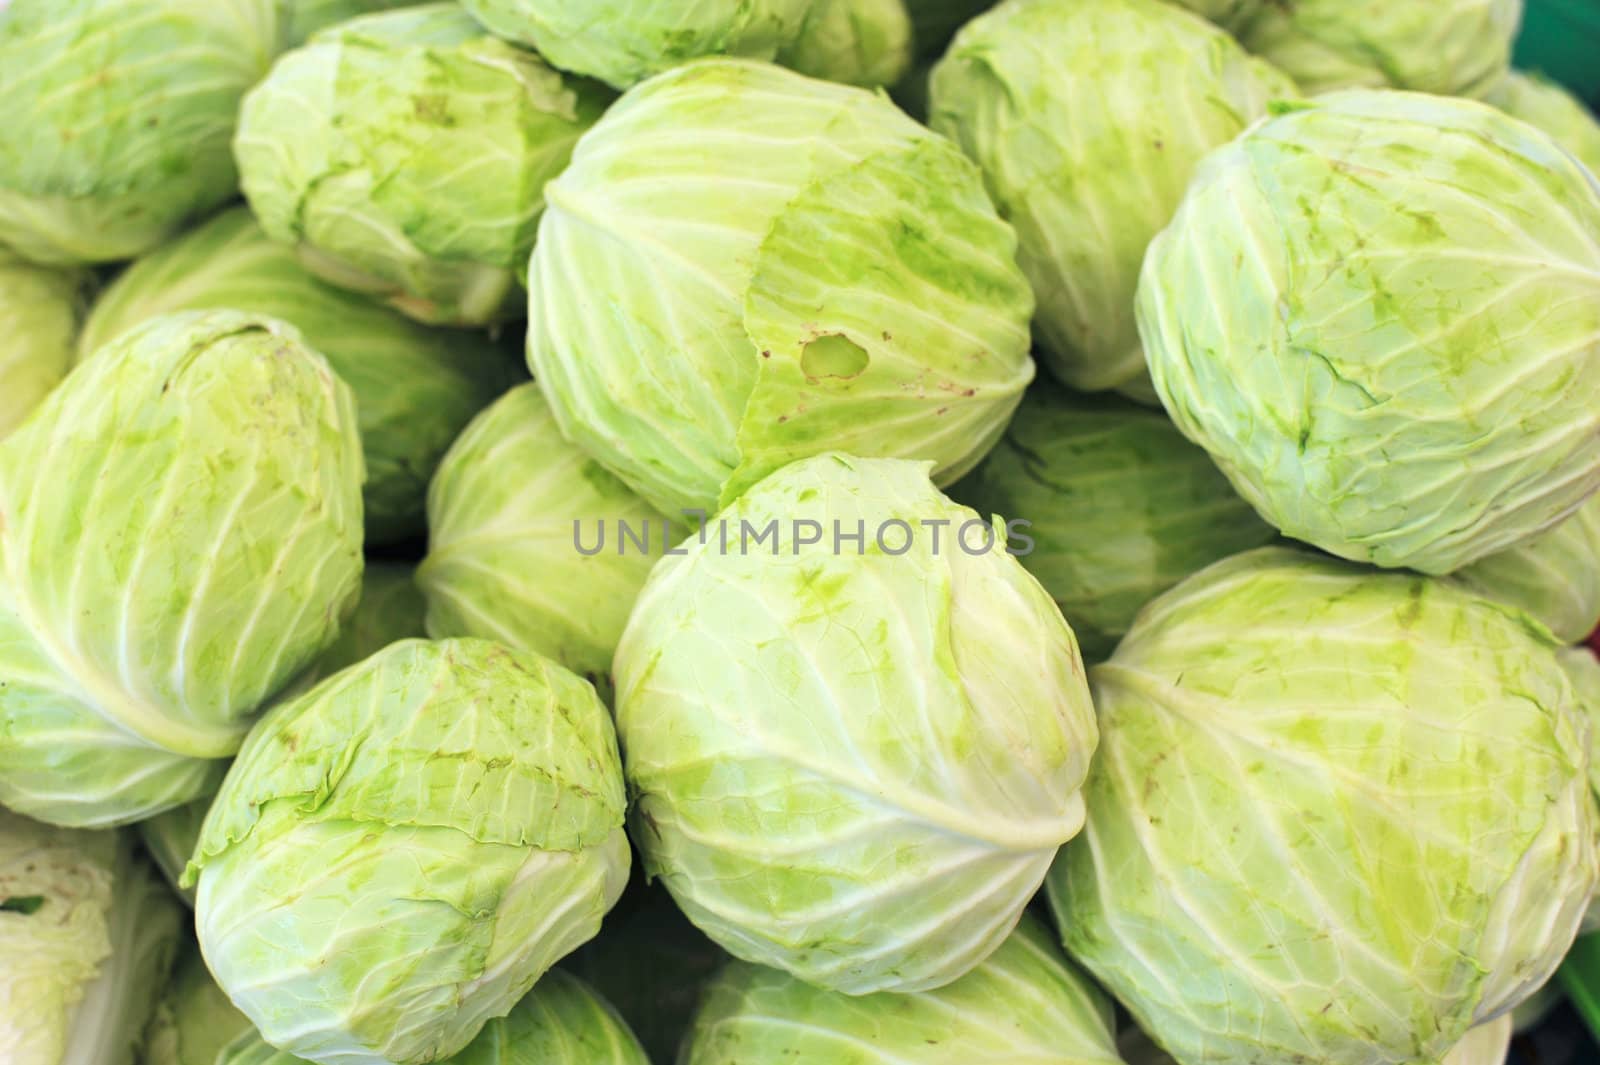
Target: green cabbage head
x,y
182,538
526,543
1121,507
1409,386
193,1019
391,609
88,935
1555,576
1583,669
733,338
40,311
851,763
404,155
415,387
1484,1044
1043,94
858,42
118,119
1448,47
397,855
562,1021
1549,107
1024,1004
622,42
1338,815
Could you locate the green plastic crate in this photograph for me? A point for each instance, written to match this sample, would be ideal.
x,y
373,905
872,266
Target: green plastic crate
x,y
1561,39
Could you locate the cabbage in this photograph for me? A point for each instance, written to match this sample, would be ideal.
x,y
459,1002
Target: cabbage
x,y
733,340
391,609
622,42
120,114
532,543
1485,1044
1549,107
40,310
404,155
1120,507
1555,576
1024,1004
561,1022
1385,360
182,537
397,855
415,387
88,935
858,42
854,763
1338,815
1045,95
1437,46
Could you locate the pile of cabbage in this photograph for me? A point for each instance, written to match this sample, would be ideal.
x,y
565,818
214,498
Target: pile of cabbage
x,y
769,532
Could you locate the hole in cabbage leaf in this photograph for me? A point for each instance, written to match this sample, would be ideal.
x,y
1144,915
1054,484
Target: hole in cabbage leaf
x,y
27,905
833,356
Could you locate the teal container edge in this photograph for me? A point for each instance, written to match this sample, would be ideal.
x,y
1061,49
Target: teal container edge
x,y
1561,39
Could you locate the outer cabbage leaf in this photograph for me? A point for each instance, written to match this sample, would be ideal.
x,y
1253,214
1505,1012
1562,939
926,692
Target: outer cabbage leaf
x,y
791,266
40,311
397,855
1583,669
88,935
120,114
182,536
193,1019
1338,814
622,42
405,154
852,766
526,543
1486,1044
1414,385
858,42
1555,576
560,1022
1549,107
1024,1004
1448,47
1121,507
391,609
1088,120
416,388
